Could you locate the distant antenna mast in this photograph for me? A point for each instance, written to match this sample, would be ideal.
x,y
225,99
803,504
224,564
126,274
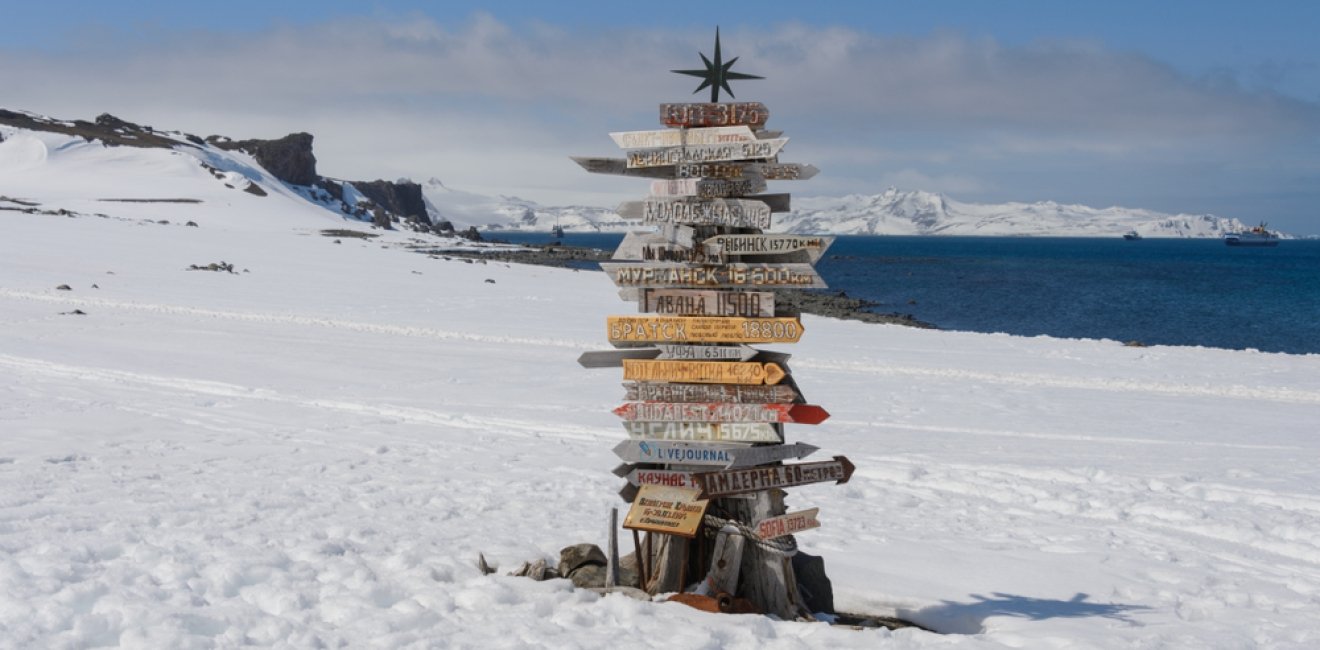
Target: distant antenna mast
x,y
717,74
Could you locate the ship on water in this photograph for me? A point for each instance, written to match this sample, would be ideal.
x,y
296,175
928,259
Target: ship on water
x,y
1258,236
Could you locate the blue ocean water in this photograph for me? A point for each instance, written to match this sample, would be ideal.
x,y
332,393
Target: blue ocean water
x,y
1157,291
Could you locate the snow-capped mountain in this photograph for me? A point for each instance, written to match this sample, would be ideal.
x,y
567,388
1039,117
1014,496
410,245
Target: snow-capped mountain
x,y
466,209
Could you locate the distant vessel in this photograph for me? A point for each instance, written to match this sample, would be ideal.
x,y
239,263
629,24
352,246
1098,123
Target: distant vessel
x,y
1131,235
1258,236
557,231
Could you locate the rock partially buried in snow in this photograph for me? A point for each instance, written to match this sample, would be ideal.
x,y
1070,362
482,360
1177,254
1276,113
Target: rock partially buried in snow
x,y
571,558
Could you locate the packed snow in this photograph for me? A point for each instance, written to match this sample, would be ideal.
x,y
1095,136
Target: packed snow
x,y
311,451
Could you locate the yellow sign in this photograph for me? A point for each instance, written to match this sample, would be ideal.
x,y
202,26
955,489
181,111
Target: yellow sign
x,y
669,510
702,329
702,372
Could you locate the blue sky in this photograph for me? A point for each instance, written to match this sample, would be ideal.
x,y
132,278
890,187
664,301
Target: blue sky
x,y
1174,106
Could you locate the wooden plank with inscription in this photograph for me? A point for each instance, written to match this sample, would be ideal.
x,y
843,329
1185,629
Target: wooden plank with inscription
x,y
640,476
688,275
775,171
753,456
755,479
718,454
704,114
682,137
706,352
635,244
767,244
755,432
707,302
709,188
614,358
702,372
722,412
669,510
787,524
733,213
619,167
727,152
656,392
700,329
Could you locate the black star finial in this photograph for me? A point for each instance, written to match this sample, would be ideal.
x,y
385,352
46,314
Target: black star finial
x,y
717,74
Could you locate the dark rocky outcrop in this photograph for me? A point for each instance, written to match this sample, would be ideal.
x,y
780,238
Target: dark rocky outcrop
x,y
107,128
403,198
289,158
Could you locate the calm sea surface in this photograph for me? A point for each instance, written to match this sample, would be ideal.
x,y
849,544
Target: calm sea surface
x,y
1158,291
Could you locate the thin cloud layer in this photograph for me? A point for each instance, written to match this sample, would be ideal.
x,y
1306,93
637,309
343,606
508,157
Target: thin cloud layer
x,y
491,108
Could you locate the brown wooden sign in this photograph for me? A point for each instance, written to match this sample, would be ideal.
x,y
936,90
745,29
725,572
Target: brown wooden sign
x,y
714,114
705,431
758,245
735,213
668,156
705,352
707,302
655,392
700,329
666,477
754,479
635,244
722,412
787,524
767,171
669,510
619,167
687,275
708,189
682,137
702,372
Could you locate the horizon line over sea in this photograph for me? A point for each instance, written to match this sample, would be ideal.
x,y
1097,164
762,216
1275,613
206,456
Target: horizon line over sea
x,y
1188,292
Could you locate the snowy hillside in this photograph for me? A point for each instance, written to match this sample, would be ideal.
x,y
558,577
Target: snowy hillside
x,y
311,451
466,209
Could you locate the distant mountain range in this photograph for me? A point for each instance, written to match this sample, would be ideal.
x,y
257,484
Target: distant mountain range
x,y
286,167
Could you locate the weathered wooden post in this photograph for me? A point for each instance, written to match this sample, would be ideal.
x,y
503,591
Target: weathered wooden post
x,y
706,412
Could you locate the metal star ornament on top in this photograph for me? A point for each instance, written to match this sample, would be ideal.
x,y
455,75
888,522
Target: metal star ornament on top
x,y
717,74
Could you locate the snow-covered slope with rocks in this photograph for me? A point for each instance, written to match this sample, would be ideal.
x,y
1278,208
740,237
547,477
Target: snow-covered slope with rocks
x,y
466,209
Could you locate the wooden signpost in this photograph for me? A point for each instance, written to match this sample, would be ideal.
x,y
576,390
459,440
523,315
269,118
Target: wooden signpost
x,y
722,412
706,413
702,372
705,431
678,275
701,329
787,524
755,479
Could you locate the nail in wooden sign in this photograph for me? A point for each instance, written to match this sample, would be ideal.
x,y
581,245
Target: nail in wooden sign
x,y
702,372
787,524
754,432
708,302
705,352
735,213
669,510
698,329
767,245
666,156
679,453
682,137
681,275
655,392
754,479
714,114
722,412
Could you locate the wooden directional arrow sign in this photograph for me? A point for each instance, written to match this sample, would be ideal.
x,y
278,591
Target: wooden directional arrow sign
x,y
767,245
619,167
735,213
702,372
654,392
787,524
722,412
698,302
635,244
682,275
705,431
614,358
709,189
700,153
683,137
669,510
706,352
679,453
640,476
714,114
767,171
698,329
741,481
753,456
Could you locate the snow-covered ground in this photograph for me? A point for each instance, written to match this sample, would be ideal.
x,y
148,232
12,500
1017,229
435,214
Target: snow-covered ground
x,y
312,451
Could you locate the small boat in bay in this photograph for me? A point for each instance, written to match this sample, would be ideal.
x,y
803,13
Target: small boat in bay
x,y
1258,236
1131,235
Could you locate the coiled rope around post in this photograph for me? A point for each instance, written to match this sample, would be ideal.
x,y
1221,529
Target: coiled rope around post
x,y
785,546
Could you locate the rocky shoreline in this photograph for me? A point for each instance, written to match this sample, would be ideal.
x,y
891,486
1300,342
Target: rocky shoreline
x,y
833,304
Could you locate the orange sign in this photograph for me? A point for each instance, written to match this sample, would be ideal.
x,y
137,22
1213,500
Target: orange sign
x,y
700,329
703,372
669,510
